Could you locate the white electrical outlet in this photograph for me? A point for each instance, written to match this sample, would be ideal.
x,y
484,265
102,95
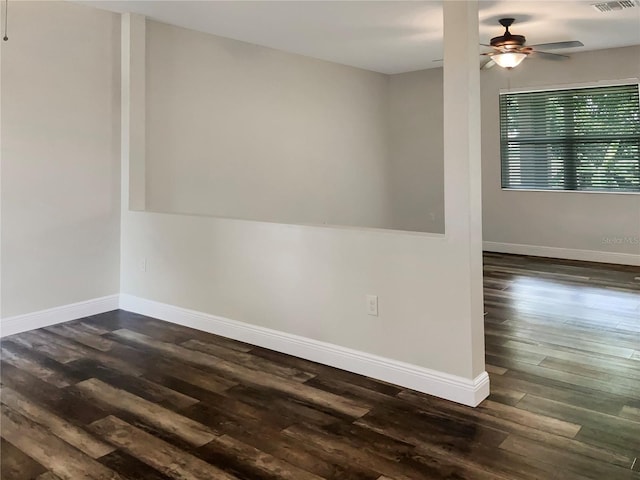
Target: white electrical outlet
x,y
143,265
372,305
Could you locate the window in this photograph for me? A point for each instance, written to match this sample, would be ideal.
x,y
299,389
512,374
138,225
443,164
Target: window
x,y
585,139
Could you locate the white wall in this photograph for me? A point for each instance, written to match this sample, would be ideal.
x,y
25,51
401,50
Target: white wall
x,y
242,131
60,156
416,151
308,281
567,220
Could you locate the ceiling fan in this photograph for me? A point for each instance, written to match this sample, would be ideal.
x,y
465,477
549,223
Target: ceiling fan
x,y
509,50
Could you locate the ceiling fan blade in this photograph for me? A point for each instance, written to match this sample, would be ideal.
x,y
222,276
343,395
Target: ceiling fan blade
x,y
488,65
556,45
550,56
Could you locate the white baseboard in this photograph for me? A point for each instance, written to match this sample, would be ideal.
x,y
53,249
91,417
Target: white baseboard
x,y
566,253
451,387
51,316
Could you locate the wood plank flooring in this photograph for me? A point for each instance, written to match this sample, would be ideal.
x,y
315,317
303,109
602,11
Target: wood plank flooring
x,y
122,396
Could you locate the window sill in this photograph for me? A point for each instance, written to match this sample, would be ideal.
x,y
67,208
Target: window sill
x,y
590,192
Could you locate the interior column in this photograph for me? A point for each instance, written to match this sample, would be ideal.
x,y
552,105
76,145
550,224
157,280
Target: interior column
x,y
462,172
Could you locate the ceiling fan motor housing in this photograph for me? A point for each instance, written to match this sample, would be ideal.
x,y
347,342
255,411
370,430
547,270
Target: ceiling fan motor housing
x,y
508,40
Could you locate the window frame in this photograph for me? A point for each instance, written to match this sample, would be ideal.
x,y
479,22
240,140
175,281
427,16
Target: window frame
x,y
547,88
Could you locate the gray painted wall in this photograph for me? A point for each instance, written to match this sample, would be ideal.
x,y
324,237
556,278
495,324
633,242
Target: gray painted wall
x,y
60,156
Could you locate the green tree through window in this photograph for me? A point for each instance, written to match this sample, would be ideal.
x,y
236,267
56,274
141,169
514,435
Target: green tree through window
x,y
584,139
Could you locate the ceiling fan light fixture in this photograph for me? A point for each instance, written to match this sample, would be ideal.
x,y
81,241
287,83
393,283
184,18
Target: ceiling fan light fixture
x,y
509,60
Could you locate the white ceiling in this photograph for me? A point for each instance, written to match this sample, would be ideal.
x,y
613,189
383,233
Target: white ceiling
x,y
385,36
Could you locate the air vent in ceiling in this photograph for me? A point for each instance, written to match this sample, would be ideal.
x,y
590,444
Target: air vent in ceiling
x,y
615,6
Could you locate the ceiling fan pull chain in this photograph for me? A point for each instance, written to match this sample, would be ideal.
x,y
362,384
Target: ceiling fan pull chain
x,y
6,13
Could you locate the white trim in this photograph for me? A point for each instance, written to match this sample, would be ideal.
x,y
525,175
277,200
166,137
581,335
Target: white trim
x,y
590,192
572,86
566,253
51,316
451,387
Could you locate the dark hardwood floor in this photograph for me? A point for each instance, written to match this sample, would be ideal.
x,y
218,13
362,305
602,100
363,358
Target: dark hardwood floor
x,y
122,396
